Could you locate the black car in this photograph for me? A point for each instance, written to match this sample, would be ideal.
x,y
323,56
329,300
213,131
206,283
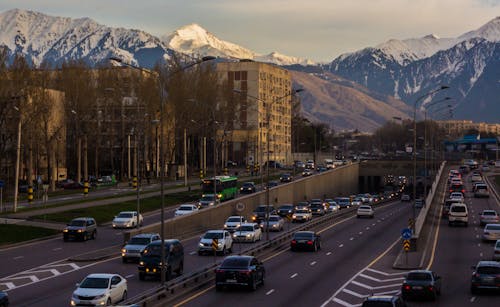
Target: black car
x,y
4,299
271,184
421,284
308,240
81,228
150,262
317,207
260,212
383,301
247,188
286,209
240,271
486,276
286,177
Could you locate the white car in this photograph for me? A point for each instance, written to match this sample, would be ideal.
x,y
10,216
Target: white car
x,y
491,232
302,215
133,248
458,196
224,242
186,209
276,223
458,214
127,219
496,251
233,222
100,290
365,210
248,232
476,177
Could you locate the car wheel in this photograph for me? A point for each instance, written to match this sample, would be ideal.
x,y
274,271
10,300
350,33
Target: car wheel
x,y
168,274
466,224
180,270
65,239
124,296
94,234
315,247
200,253
253,284
85,237
124,260
224,251
141,276
108,302
473,290
230,249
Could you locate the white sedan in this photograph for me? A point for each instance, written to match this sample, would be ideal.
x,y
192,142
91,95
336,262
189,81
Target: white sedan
x,y
127,219
100,290
186,209
365,210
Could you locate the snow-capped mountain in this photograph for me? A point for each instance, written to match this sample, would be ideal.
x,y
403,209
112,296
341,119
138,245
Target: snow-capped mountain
x,y
409,68
193,39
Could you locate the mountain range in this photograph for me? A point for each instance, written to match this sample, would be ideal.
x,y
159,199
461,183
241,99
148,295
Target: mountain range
x,y
359,90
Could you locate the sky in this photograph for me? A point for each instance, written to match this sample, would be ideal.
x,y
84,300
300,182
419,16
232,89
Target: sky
x,y
319,30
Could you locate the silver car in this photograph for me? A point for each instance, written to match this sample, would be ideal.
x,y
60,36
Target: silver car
x,y
496,251
491,232
365,210
276,223
133,248
488,217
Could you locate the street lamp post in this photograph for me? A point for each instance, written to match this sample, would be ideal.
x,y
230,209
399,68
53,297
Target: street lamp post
x,y
161,161
443,87
18,158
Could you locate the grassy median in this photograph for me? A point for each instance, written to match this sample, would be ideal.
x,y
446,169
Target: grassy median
x,y
12,233
103,214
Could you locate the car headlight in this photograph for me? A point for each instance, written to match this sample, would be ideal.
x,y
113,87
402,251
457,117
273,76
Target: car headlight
x,y
80,230
65,230
225,225
73,303
141,263
249,235
124,250
294,216
200,244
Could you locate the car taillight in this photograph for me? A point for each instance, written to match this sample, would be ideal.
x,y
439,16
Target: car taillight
x,y
431,288
247,272
406,287
218,271
309,242
463,191
497,252
294,242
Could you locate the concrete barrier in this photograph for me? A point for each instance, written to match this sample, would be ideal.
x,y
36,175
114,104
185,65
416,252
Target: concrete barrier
x,y
341,181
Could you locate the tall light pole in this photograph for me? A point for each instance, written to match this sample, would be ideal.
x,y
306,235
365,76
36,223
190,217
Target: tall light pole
x,y
268,119
161,83
431,93
18,158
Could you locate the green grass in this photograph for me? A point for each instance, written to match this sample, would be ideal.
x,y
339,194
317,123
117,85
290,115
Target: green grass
x,y
12,233
103,214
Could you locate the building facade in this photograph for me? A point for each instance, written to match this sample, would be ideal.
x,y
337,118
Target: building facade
x,y
457,128
262,124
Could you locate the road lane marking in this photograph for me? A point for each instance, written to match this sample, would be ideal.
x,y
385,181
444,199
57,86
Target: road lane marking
x,y
187,300
329,253
368,228
341,245
118,234
360,232
57,249
313,263
128,276
343,303
478,244
294,275
477,236
380,280
18,257
351,238
270,291
192,253
480,254
472,299
373,224
356,294
384,273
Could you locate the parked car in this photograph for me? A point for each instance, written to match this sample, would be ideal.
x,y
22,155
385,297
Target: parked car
x,y
383,301
4,299
81,228
276,223
491,232
488,217
421,284
260,213
286,177
248,188
242,270
150,262
100,290
248,232
208,200
365,211
224,242
308,240
486,276
302,215
127,219
72,185
133,248
458,214
286,210
496,251
186,209
233,222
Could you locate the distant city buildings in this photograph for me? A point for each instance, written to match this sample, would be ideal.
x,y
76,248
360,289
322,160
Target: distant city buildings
x,y
456,128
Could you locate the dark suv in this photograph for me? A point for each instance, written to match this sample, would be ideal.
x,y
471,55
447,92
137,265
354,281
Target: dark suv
x,y
81,228
486,276
259,213
248,188
149,264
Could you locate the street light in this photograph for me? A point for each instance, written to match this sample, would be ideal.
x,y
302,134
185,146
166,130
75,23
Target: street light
x,y
18,158
431,93
268,118
161,162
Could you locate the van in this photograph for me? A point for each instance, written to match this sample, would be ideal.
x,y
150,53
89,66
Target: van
x,y
458,214
150,262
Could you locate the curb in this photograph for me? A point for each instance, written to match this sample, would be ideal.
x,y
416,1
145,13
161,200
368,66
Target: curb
x,y
7,246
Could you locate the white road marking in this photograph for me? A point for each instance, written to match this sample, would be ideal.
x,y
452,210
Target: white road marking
x,y
373,288
18,257
478,244
373,224
341,245
329,253
57,249
477,236
386,274
294,275
9,285
128,276
472,299
367,228
118,234
480,254
351,238
270,291
360,232
313,263
192,253
343,303
380,280
356,294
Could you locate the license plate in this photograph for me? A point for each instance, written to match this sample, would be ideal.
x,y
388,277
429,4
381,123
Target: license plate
x,y
231,280
417,287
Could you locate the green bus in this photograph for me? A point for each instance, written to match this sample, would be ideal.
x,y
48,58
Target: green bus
x,y
225,186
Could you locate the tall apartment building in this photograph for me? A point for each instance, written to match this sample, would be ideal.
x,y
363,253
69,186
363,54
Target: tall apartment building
x,y
457,128
265,94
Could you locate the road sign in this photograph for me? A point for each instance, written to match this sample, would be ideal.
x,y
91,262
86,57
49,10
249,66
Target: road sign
x,y
215,244
406,245
406,233
240,207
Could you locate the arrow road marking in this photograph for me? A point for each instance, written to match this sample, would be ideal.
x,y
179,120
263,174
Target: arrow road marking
x,y
9,285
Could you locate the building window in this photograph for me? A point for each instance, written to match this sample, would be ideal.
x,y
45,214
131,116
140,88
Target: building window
x,y
237,75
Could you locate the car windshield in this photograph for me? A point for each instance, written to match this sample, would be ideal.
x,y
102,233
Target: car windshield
x,y
490,270
286,207
262,209
365,207
234,263
213,235
492,227
185,208
273,219
316,205
248,185
234,219
78,223
302,211
125,215
246,228
207,198
493,213
419,276
155,250
95,283
139,241
458,209
302,235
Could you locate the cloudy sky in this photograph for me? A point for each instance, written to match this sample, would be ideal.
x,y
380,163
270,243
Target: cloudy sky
x,y
316,29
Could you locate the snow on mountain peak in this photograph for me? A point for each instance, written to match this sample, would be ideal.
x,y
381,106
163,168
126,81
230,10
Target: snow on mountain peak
x,y
489,31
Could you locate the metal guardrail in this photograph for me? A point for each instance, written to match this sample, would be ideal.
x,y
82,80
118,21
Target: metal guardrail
x,y
185,283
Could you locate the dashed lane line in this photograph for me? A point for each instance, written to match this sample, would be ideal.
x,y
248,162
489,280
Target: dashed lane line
x,y
294,275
